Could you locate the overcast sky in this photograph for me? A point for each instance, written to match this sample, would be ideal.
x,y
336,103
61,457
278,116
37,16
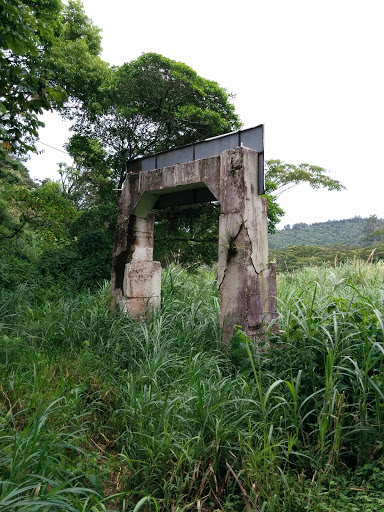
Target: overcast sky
x,y
310,71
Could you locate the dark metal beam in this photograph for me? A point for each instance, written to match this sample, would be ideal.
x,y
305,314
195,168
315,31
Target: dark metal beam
x,y
199,195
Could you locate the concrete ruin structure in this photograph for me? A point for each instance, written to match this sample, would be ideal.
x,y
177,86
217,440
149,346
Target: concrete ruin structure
x,y
247,282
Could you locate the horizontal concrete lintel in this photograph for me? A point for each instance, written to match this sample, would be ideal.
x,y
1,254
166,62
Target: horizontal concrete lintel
x,y
180,175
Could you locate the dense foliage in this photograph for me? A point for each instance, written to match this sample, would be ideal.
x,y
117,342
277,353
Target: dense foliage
x,y
35,72
48,233
27,32
149,105
102,413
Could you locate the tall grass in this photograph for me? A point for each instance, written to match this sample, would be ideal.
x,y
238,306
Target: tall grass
x,y
101,413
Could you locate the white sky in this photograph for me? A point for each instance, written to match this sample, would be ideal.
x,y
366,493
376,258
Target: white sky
x,y
310,71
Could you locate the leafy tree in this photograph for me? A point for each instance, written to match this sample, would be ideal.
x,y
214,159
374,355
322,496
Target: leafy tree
x,y
27,32
33,218
148,105
285,176
280,177
43,208
13,177
90,187
274,211
299,225
373,231
49,58
12,171
89,179
153,104
84,72
25,204
48,54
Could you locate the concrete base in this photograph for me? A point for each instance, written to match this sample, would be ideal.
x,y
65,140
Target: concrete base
x,y
250,302
142,287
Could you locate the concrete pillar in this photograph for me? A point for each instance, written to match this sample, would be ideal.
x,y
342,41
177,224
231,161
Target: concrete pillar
x,y
246,281
141,293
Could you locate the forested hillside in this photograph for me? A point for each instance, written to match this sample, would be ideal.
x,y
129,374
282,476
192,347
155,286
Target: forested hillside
x,y
299,256
356,231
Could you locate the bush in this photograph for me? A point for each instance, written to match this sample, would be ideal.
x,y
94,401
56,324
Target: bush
x,y
17,262
83,264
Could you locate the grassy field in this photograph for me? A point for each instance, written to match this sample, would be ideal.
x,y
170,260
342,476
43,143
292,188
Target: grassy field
x,y
100,413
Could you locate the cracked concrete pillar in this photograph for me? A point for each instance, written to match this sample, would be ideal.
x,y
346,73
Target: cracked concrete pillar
x,y
246,280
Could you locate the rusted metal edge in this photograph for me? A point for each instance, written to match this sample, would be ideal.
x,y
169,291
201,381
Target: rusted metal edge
x,y
252,138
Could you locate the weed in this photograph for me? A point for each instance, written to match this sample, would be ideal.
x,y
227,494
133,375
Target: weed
x,y
99,413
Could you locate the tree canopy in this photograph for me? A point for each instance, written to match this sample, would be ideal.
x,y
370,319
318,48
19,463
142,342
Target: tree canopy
x,y
25,204
35,71
27,32
150,105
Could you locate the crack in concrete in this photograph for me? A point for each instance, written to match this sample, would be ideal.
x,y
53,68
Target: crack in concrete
x,y
252,254
229,242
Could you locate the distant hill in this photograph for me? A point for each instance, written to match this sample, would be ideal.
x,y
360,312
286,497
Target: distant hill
x,y
348,232
291,258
